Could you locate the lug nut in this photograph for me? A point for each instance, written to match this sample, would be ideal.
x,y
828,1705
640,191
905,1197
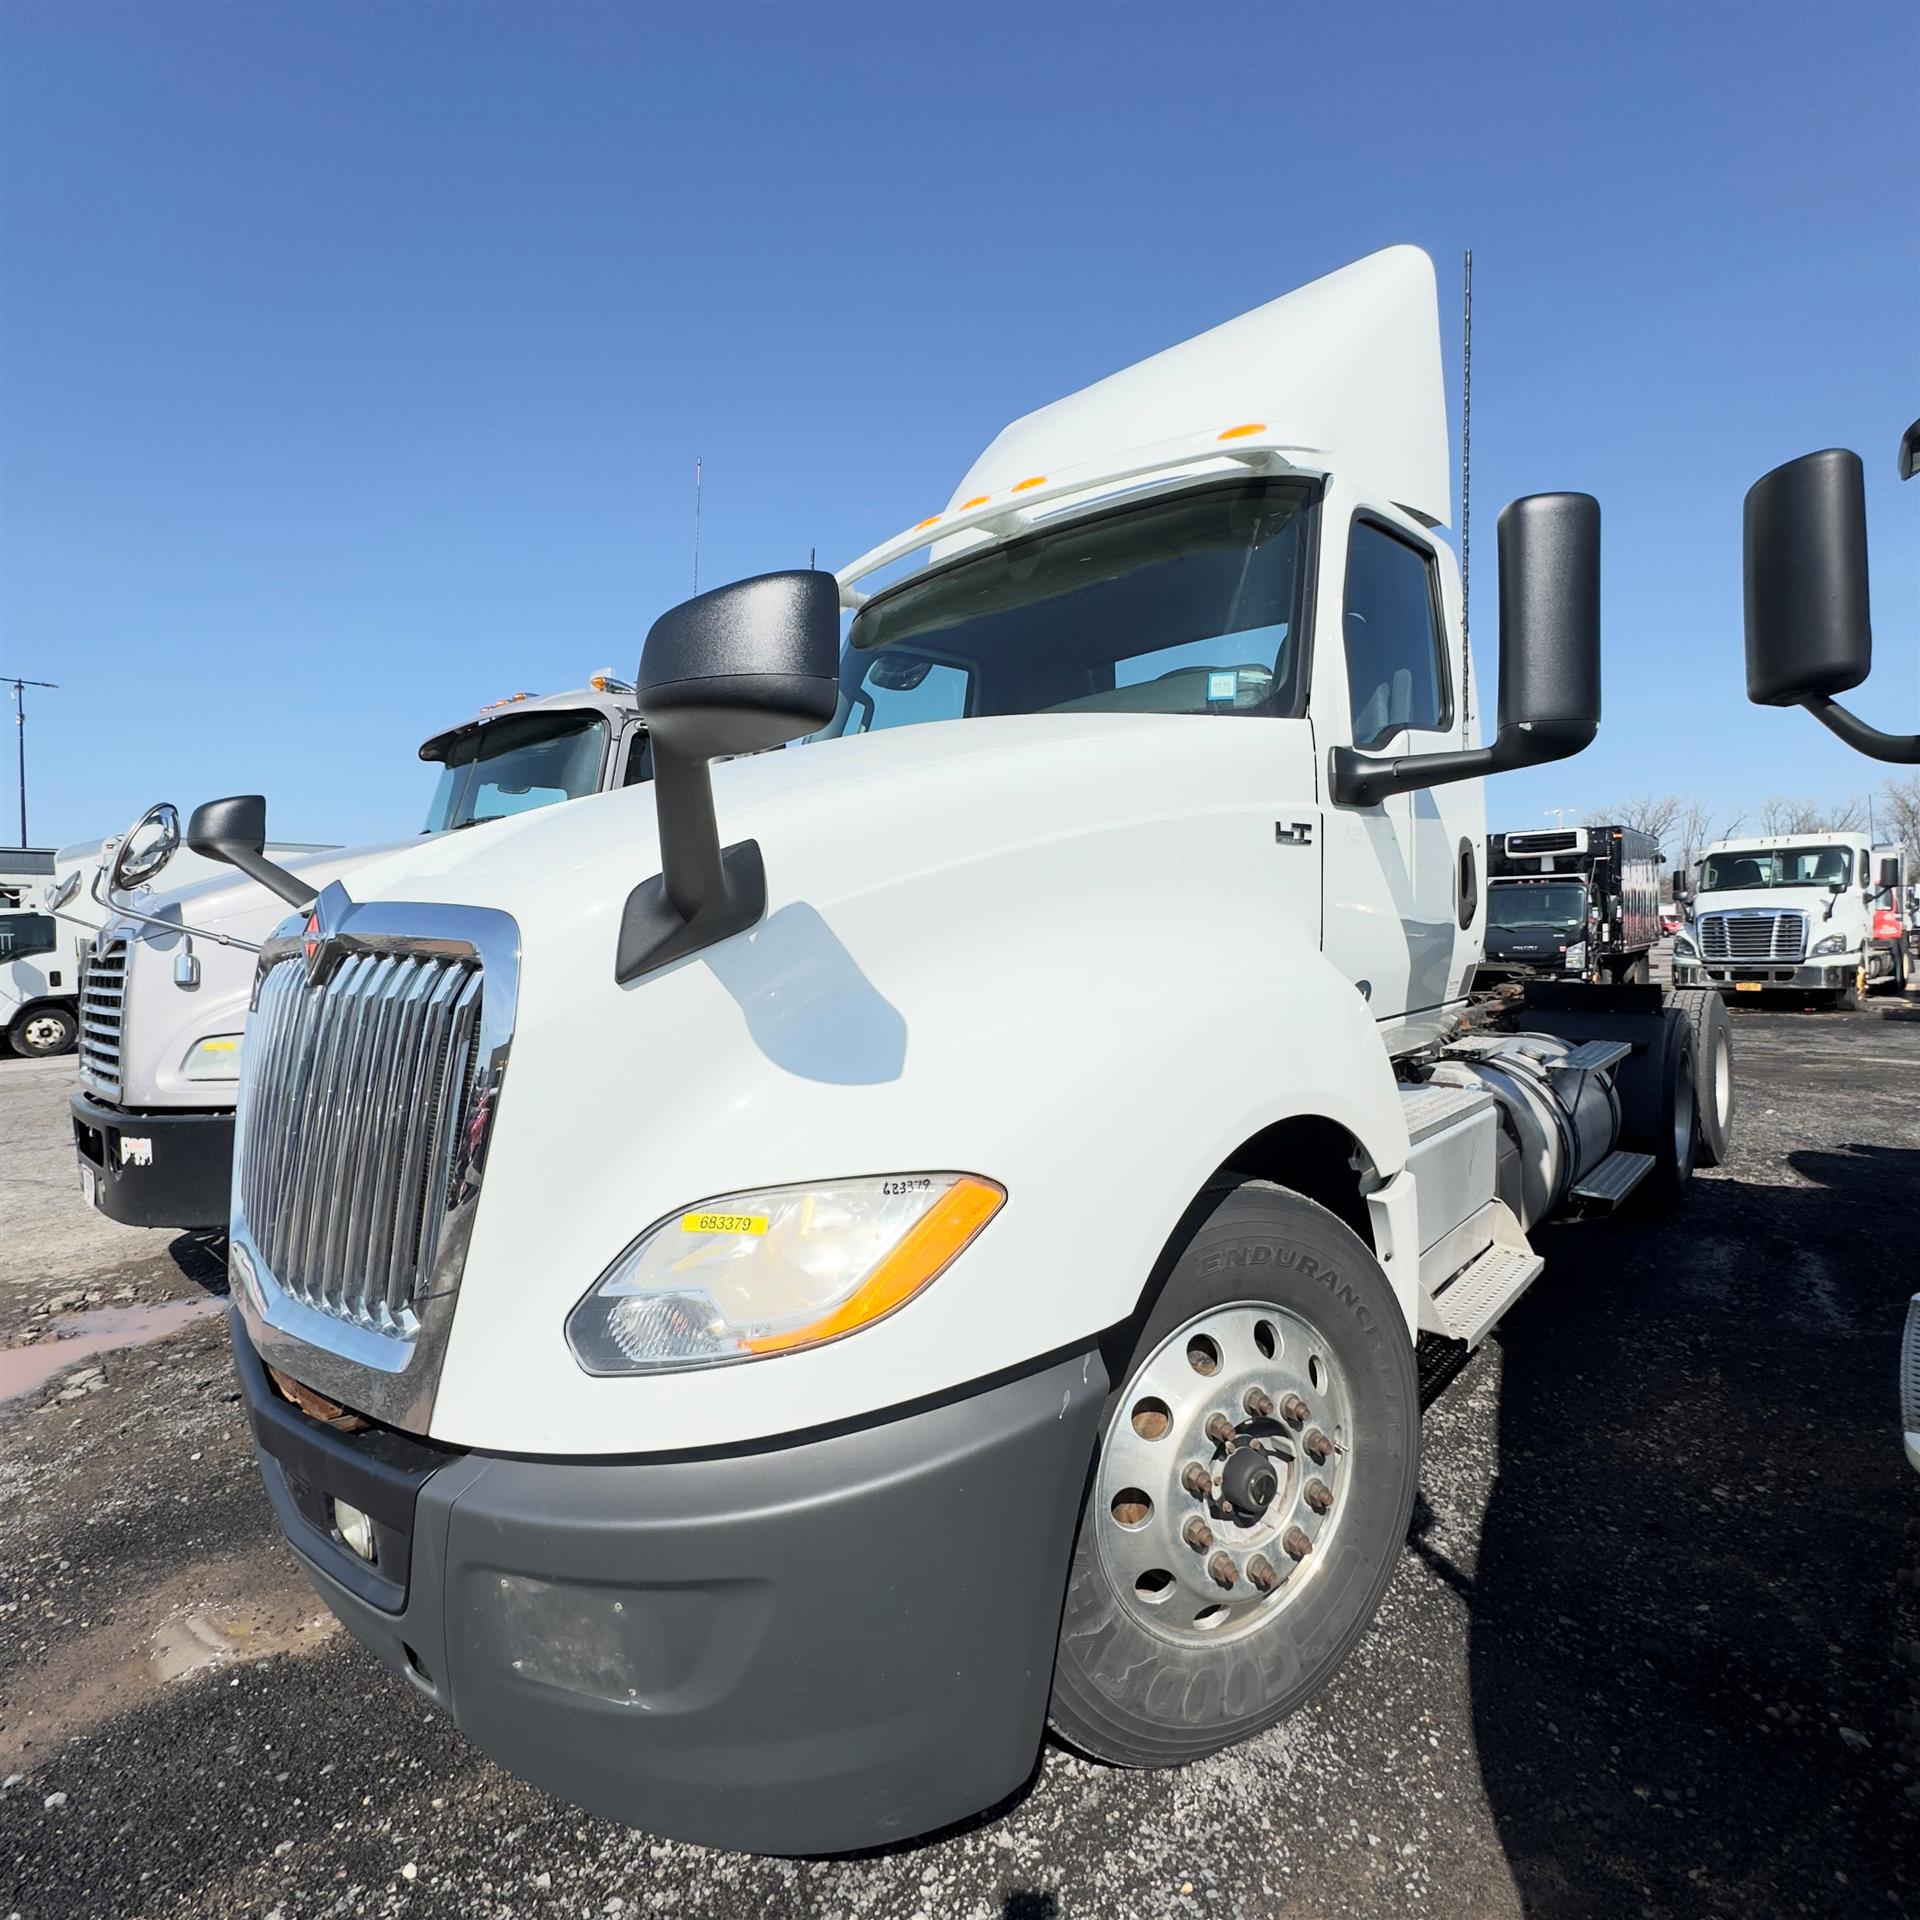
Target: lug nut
x,y
1197,1534
1295,1409
1196,1479
1297,1543
1259,1404
1221,1567
1319,1495
1317,1444
1260,1572
1219,1430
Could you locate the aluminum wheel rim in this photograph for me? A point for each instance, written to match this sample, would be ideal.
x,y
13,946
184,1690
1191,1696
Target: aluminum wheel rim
x,y
43,1032
1722,1078
1167,1548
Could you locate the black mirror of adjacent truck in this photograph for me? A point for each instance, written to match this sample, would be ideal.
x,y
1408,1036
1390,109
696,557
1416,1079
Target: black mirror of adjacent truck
x,y
1910,451
235,830
1549,656
1809,636
1679,884
734,671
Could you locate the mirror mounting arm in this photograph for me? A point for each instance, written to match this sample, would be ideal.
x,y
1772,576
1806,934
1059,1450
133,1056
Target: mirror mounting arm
x,y
1898,749
1359,780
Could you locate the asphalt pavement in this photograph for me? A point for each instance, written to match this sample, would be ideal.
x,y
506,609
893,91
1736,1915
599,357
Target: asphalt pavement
x,y
1638,1657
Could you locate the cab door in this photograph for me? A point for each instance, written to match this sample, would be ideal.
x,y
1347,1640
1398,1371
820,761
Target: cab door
x,y
1397,889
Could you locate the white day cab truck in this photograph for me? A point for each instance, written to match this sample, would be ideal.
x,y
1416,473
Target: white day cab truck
x,y
757,1295
1819,913
167,980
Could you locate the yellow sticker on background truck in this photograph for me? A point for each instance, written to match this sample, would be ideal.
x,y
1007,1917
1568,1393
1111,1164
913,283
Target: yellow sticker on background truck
x,y
723,1223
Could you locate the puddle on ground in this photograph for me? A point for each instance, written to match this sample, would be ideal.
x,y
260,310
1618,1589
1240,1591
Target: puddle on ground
x,y
104,1330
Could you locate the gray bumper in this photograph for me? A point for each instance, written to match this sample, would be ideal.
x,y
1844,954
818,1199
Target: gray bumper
x,y
1810,976
801,1648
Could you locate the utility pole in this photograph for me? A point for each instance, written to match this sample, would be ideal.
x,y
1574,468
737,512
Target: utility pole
x,y
20,687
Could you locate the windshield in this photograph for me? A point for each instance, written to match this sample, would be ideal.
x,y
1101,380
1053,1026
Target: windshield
x,y
1559,906
1190,605
1776,867
514,765
22,934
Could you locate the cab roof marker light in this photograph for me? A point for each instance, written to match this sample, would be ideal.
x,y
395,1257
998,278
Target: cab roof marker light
x,y
1244,433
978,500
932,520
1027,485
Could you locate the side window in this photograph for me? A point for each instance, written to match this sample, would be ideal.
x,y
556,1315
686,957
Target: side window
x,y
1396,671
25,934
639,759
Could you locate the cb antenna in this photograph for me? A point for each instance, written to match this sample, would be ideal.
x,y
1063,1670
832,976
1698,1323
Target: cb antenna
x,y
696,526
1466,490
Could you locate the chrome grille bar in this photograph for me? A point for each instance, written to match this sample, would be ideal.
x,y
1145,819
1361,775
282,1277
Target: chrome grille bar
x,y
103,1013
1758,933
356,1089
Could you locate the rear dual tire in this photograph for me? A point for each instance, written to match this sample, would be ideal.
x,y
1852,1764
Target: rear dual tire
x,y
1141,1678
1714,1094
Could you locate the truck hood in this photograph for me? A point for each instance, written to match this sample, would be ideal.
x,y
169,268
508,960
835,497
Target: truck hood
x,y
233,904
1812,901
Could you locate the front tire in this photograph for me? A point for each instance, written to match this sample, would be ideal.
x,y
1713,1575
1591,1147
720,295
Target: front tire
x,y
42,1032
1197,1617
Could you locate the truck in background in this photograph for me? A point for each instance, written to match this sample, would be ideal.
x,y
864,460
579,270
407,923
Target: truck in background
x,y
167,980
1820,913
1573,903
757,1294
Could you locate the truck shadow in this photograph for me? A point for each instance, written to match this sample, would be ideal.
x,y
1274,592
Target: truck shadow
x,y
1684,1604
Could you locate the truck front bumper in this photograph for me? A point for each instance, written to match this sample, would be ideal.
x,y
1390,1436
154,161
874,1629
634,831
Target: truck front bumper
x,y
157,1169
802,1647
1810,976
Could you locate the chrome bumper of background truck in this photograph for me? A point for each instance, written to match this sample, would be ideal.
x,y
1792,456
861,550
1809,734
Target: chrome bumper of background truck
x,y
803,1647
1810,976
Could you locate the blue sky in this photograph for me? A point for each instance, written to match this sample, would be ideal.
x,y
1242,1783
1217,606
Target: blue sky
x,y
354,359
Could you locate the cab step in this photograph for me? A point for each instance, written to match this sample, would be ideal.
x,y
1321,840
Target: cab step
x,y
1613,1179
1591,1055
1472,1303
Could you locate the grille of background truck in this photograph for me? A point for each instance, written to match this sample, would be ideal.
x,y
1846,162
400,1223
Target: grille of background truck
x,y
353,1099
103,1001
1759,934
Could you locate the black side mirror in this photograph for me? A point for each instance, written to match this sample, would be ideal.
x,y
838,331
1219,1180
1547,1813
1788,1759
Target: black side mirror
x,y
235,830
1910,451
1808,632
1679,883
734,671
1549,656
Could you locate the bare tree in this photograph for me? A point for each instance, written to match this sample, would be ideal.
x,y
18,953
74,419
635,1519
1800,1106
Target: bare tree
x,y
1900,809
1778,813
1650,813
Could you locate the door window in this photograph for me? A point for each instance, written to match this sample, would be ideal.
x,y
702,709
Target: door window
x,y
23,934
1396,659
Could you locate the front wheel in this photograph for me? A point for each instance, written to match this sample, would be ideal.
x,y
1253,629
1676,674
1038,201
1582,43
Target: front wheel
x,y
1252,1491
1847,999
42,1032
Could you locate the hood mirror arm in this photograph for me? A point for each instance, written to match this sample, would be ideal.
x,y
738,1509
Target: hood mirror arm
x,y
115,906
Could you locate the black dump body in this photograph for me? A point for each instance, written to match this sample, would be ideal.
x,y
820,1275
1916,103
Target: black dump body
x,y
1554,891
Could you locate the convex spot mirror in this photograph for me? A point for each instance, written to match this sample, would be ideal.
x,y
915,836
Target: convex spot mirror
x,y
145,848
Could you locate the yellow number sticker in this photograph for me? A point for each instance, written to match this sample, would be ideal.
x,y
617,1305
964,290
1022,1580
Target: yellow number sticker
x,y
723,1223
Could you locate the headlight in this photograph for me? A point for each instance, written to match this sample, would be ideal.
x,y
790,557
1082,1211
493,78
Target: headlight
x,y
1577,954
1833,943
774,1269
215,1058
1683,947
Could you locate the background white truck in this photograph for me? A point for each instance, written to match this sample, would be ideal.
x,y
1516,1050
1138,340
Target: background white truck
x,y
756,1294
1796,912
166,985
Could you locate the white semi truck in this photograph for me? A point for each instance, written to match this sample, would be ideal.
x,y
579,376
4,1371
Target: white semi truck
x,y
757,1294
1820,913
168,979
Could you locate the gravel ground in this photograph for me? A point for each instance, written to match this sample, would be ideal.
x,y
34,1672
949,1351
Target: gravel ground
x,y
1637,1658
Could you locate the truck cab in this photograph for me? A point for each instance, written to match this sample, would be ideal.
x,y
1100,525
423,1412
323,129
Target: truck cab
x,y
1814,913
759,1294
1577,903
169,974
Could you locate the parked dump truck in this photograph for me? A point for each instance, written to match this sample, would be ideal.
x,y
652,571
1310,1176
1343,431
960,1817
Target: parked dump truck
x,y
168,980
755,1294
1820,913
1572,903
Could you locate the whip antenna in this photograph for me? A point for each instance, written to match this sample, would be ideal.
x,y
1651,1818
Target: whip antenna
x,y
696,526
1466,490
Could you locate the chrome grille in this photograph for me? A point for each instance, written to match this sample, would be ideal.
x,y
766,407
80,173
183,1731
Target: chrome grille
x,y
354,1095
1760,933
103,1013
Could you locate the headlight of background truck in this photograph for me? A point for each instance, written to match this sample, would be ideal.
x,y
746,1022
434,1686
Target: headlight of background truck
x,y
777,1268
1577,955
1833,943
215,1058
1683,948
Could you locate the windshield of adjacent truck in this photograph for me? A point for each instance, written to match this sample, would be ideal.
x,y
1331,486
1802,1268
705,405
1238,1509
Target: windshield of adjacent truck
x,y
1557,906
1776,867
24,934
1188,605
515,764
